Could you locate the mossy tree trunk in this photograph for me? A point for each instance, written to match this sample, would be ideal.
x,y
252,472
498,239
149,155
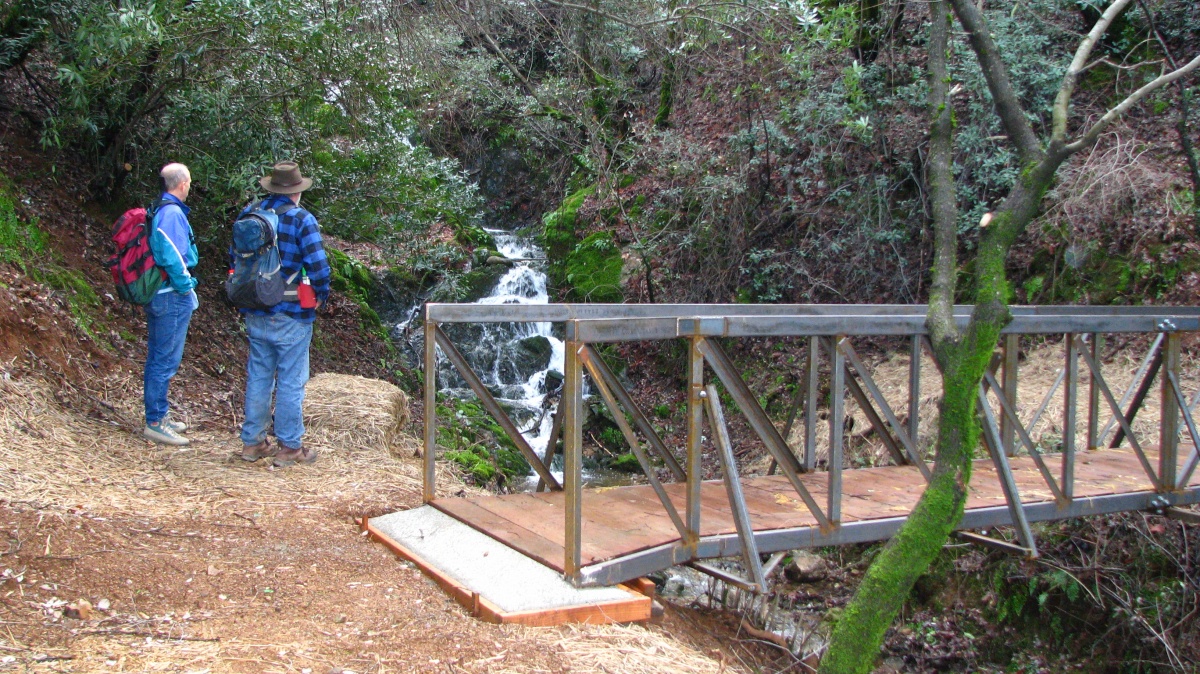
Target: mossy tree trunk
x,y
666,88
964,355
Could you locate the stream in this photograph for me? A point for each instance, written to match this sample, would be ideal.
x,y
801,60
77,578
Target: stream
x,y
521,363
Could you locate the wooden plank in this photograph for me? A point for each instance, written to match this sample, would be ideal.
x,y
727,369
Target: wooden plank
x,y
513,535
622,520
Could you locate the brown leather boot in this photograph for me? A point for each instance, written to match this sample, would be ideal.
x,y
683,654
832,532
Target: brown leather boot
x,y
261,450
288,456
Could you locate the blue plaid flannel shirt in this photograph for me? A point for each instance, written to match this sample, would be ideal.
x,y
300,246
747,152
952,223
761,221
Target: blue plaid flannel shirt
x,y
300,245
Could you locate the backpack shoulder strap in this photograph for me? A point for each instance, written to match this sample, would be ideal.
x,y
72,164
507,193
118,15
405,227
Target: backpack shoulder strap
x,y
152,211
287,207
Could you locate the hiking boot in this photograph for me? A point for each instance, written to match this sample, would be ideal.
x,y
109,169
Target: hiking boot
x,y
261,450
177,426
164,435
288,456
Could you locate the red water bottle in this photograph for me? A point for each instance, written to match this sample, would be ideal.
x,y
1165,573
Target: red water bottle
x,y
305,293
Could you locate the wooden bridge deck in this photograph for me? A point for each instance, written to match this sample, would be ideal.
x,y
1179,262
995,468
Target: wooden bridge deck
x,y
622,521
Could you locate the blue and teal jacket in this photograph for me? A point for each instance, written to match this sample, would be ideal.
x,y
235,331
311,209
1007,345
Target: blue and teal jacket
x,y
174,244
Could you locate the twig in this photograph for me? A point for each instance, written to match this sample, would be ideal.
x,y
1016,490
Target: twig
x,y
74,557
147,633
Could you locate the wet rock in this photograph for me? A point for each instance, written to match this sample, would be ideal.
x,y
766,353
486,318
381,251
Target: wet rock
x,y
553,382
805,567
526,356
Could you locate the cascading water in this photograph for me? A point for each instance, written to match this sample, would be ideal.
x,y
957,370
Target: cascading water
x,y
520,363
514,360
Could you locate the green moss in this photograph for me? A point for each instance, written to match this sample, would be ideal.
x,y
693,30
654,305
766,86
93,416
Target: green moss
x,y
627,463
354,280
593,269
475,462
559,237
474,441
19,240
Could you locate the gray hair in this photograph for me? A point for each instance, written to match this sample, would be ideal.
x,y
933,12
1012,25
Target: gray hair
x,y
174,175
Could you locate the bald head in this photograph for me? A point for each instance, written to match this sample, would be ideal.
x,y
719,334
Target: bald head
x,y
177,180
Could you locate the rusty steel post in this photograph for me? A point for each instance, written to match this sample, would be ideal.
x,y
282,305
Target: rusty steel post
x,y
1070,400
1168,435
572,397
428,456
694,469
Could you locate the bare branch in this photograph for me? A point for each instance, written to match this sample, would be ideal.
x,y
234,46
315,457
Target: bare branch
x,y
1008,107
1062,101
1158,82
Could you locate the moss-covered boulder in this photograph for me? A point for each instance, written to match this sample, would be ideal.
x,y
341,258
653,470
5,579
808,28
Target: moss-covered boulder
x,y
354,280
593,269
559,235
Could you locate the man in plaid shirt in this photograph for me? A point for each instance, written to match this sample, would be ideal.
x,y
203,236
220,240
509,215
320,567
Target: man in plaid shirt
x,y
280,336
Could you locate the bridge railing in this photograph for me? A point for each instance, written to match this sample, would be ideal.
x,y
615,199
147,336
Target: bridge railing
x,y
830,331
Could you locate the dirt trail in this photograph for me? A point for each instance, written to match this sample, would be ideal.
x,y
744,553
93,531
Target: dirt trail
x,y
193,560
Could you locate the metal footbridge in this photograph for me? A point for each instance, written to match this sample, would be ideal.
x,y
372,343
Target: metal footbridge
x,y
1110,449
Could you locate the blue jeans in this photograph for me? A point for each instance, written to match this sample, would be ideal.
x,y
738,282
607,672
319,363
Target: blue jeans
x,y
167,319
278,363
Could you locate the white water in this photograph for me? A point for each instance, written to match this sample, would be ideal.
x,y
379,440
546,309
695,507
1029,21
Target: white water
x,y
492,349
524,284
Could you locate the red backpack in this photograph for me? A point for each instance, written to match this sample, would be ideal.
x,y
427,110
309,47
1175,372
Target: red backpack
x,y
134,271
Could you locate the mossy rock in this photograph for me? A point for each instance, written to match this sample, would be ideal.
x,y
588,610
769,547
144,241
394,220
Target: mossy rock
x,y
593,270
354,280
473,236
559,237
349,276
478,282
478,444
527,356
626,463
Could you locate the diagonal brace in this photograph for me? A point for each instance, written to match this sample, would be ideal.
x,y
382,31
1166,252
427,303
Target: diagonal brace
x,y
900,432
586,356
723,367
1034,452
603,372
733,488
1193,458
1008,485
1116,410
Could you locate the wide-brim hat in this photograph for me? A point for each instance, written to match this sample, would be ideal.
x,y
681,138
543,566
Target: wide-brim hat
x,y
285,178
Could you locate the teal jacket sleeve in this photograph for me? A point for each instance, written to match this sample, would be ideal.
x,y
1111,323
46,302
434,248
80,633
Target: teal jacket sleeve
x,y
169,243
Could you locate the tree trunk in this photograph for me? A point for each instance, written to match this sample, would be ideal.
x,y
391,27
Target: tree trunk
x,y
962,357
666,88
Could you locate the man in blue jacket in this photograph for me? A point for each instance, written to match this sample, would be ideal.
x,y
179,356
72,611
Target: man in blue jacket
x,y
280,336
169,313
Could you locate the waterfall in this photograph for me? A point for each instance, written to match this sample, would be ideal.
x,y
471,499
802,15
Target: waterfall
x,y
512,360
